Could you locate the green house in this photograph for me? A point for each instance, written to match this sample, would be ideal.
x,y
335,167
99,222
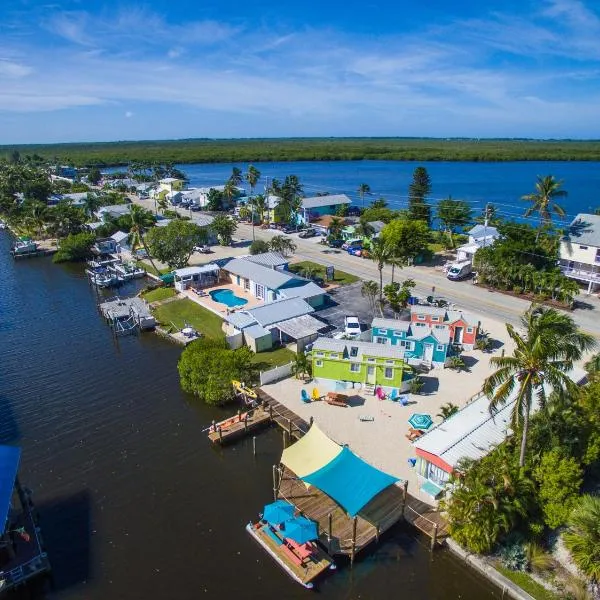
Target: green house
x,y
360,362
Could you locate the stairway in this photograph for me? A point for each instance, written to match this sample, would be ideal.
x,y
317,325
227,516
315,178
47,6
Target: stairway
x,y
369,389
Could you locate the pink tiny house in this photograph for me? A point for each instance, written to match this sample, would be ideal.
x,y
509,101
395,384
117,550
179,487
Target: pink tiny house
x,y
463,328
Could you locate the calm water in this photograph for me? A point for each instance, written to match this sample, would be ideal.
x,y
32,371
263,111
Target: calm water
x,y
134,501
503,184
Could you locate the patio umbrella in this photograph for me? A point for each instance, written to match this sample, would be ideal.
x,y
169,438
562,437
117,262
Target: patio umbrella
x,y
420,421
301,530
277,512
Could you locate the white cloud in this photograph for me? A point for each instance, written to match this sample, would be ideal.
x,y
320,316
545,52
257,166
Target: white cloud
x,y
14,70
128,114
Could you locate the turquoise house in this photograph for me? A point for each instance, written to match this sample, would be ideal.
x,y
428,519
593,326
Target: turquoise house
x,y
422,343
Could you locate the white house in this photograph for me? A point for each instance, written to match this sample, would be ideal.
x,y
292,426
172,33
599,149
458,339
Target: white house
x,y
196,276
114,211
121,239
580,250
480,236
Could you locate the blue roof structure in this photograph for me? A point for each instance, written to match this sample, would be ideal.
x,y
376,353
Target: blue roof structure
x,y
350,481
9,465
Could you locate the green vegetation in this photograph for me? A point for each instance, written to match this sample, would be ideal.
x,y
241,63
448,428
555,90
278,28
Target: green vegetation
x,y
207,366
282,244
152,268
185,311
273,358
583,536
259,247
524,581
160,293
315,269
256,150
224,227
75,247
418,193
175,243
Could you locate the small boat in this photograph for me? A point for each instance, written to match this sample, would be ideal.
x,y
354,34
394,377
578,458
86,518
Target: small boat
x,y
128,270
245,391
24,245
102,277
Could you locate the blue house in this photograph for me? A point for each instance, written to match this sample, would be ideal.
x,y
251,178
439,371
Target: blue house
x,y
422,343
317,206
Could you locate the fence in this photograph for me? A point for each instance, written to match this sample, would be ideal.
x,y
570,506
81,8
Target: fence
x,y
235,341
276,374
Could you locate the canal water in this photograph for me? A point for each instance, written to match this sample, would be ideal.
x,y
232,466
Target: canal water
x,y
134,501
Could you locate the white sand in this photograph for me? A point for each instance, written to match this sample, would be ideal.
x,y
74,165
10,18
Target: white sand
x,y
382,442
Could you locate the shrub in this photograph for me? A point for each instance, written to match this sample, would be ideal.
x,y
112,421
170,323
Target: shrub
x,y
259,247
514,557
582,537
517,289
416,385
75,247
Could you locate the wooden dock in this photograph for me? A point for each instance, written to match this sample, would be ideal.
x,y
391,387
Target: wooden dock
x,y
238,426
34,253
426,519
286,419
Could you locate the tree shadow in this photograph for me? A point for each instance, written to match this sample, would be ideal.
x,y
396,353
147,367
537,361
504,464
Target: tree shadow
x,y
470,361
430,385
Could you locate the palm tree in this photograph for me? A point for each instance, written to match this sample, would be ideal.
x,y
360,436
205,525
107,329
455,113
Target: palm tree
x,y
447,410
547,190
141,219
370,290
582,537
35,215
301,366
163,204
91,204
364,189
380,253
335,227
544,353
252,176
236,176
229,191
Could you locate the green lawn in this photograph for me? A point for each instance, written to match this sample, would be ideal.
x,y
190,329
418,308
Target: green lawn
x,y
436,247
150,269
341,278
184,311
161,293
524,581
273,358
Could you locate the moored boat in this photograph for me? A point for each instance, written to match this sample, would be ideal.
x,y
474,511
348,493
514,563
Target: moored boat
x,y
24,245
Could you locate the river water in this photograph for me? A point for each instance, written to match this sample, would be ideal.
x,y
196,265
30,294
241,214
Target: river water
x,y
134,501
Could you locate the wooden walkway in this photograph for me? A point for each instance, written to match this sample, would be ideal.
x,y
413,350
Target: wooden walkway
x,y
286,419
236,427
426,519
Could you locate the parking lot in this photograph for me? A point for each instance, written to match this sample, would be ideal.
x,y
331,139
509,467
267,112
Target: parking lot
x,y
349,301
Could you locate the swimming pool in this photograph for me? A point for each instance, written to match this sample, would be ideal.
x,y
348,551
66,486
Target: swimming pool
x,y
227,297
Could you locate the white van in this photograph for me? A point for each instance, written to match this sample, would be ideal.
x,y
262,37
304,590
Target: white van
x,y
459,270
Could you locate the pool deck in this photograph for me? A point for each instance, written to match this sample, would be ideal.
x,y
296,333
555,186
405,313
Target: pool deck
x,y
217,307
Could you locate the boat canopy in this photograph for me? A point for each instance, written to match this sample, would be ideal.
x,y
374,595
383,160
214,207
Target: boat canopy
x,y
350,481
9,465
310,453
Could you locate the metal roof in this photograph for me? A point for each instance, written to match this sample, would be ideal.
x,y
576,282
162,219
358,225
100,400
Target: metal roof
x,y
363,348
310,290
318,201
270,278
240,319
584,230
481,231
209,268
256,331
300,327
457,315
268,259
119,236
280,310
391,324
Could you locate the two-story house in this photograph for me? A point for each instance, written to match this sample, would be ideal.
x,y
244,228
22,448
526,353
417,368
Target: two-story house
x,y
317,206
480,236
463,329
421,344
579,250
360,362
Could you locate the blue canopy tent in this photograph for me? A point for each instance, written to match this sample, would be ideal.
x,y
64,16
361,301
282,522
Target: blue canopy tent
x,y
277,512
9,465
350,481
301,530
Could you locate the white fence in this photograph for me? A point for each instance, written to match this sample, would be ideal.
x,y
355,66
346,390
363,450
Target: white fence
x,y
276,374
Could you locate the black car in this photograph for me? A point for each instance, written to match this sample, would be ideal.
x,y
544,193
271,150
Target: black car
x,y
335,243
289,229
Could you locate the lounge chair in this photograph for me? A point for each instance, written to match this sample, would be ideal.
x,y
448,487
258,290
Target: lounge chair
x,y
305,397
394,395
315,394
403,399
380,393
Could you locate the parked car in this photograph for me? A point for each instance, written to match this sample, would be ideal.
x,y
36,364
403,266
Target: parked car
x,y
195,207
351,326
273,226
355,251
459,270
307,233
204,249
289,229
354,243
335,243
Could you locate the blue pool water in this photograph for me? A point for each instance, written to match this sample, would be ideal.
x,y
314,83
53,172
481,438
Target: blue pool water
x,y
227,297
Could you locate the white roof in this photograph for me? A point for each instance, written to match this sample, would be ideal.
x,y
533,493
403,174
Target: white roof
x,y
390,324
268,259
209,268
119,236
332,200
483,232
169,180
473,432
310,290
301,326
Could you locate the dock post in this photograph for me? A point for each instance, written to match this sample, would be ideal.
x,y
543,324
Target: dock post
x,y
434,536
353,551
404,495
290,429
214,425
254,445
220,435
329,531
311,421
246,424
271,412
274,482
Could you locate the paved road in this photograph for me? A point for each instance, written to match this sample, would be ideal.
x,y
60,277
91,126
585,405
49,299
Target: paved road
x,y
464,294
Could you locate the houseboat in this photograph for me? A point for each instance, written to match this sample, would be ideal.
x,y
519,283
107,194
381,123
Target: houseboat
x,y
127,271
103,277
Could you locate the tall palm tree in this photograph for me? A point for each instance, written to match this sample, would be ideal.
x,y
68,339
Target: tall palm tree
x,y
380,253
236,176
259,202
141,220
364,189
252,176
163,204
335,227
544,352
547,190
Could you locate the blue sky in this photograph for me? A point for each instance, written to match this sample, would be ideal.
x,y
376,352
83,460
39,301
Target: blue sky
x,y
93,71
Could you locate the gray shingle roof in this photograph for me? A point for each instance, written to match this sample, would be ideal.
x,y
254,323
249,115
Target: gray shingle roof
x,y
263,275
318,201
584,230
268,259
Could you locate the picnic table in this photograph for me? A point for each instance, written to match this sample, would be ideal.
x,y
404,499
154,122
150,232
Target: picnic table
x,y
414,434
336,399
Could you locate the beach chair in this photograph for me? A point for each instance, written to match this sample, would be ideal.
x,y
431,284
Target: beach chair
x,y
394,395
315,394
380,393
305,397
403,399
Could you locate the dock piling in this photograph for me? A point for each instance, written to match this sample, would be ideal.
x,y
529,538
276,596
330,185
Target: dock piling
x,y
434,536
353,551
404,495
329,531
254,445
274,482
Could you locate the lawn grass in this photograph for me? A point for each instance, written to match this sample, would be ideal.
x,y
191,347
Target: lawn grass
x,y
185,311
340,278
524,581
161,293
150,269
434,247
273,358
